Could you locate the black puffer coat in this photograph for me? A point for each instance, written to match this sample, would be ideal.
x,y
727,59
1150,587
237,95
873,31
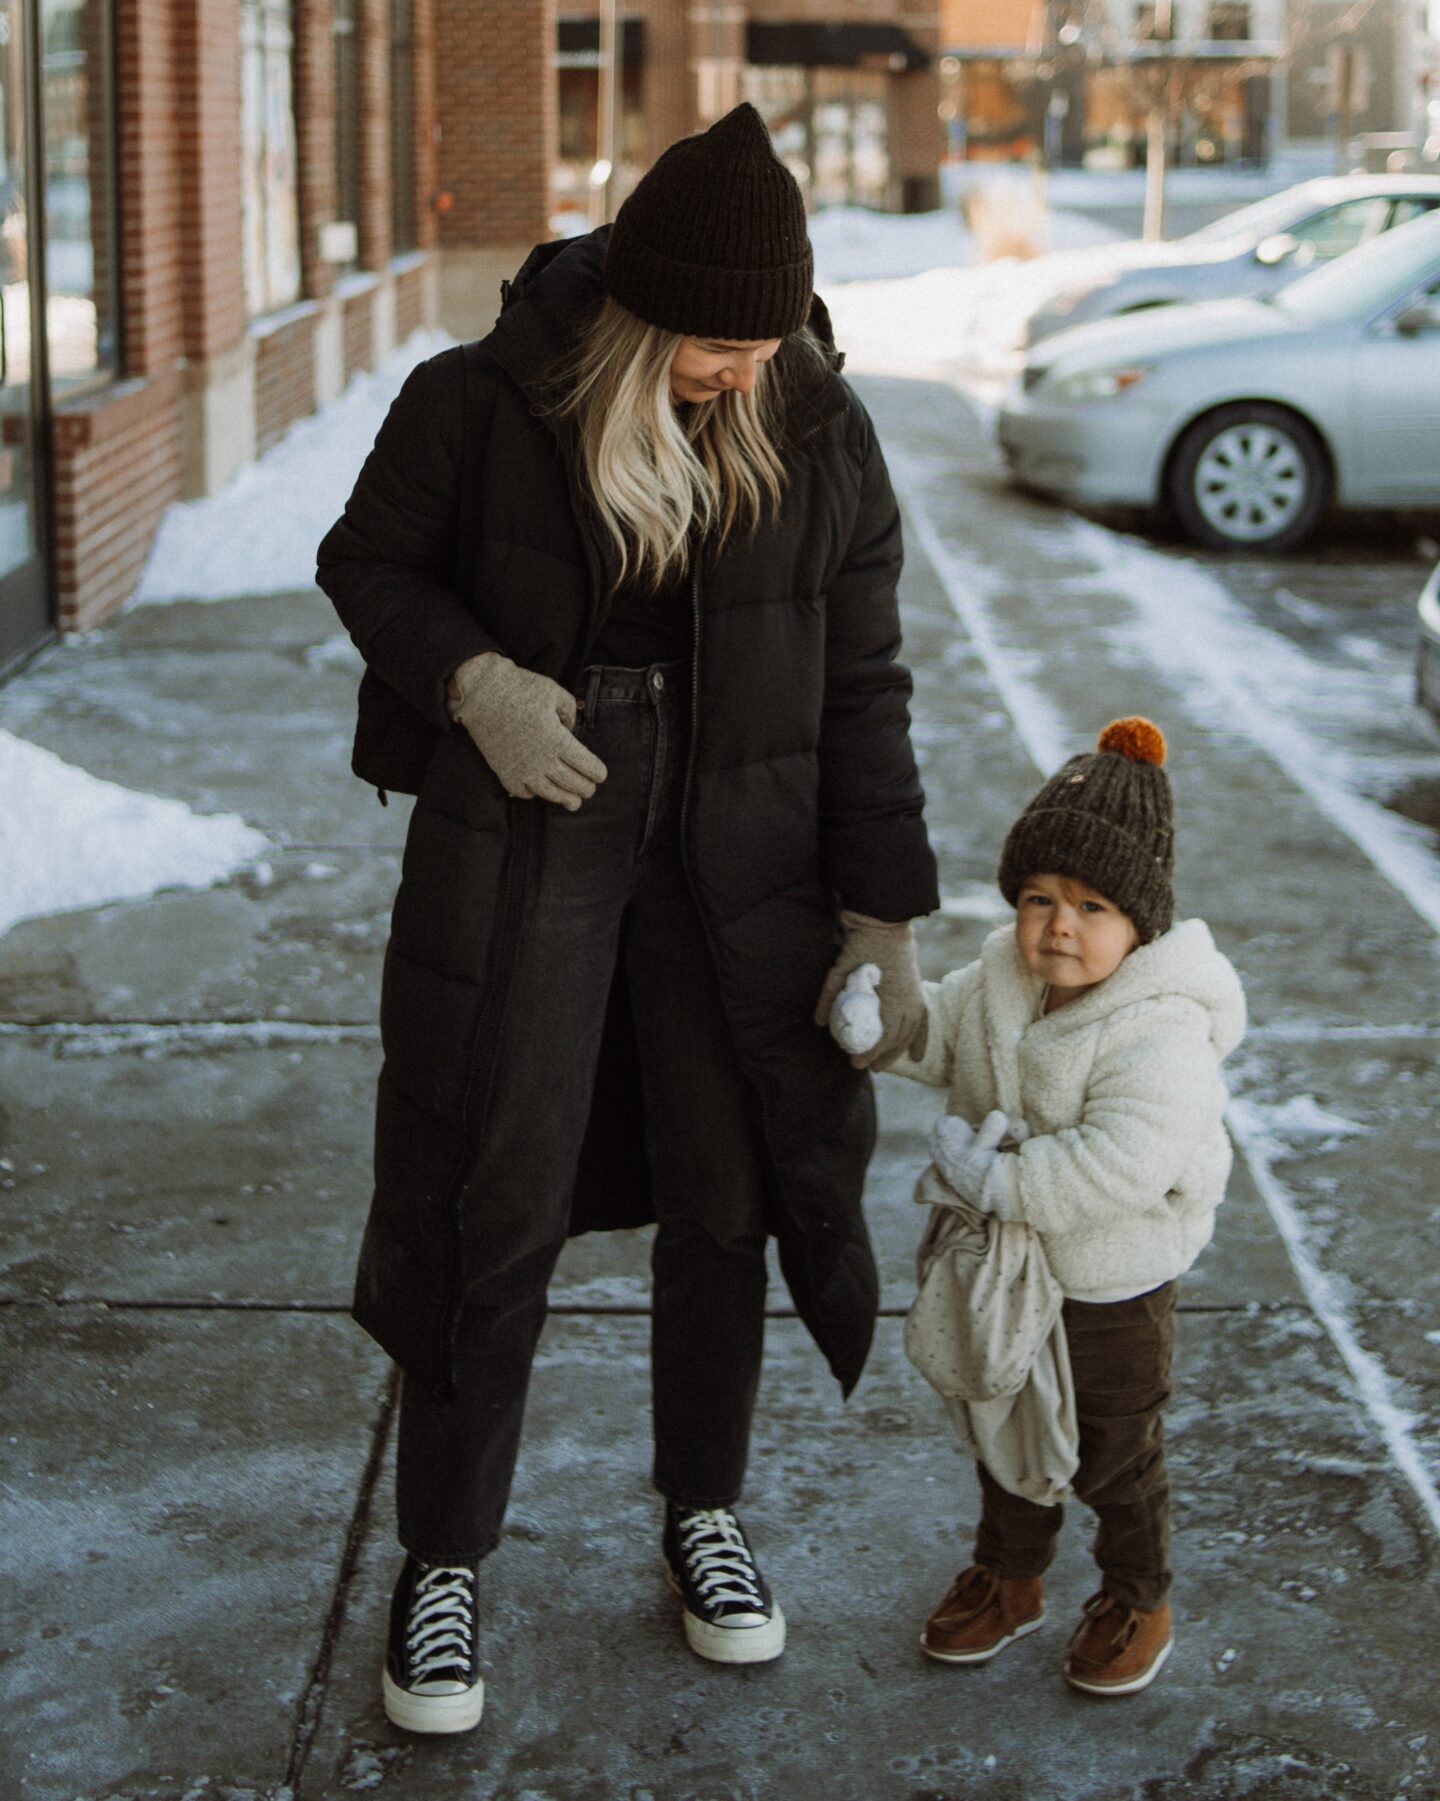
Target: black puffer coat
x,y
466,533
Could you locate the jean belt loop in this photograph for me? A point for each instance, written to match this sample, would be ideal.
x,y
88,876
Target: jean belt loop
x,y
592,691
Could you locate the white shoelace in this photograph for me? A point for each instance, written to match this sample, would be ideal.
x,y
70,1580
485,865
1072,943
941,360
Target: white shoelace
x,y
440,1628
719,1560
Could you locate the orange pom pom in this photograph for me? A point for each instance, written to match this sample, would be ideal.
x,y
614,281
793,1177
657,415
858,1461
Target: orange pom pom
x,y
1137,739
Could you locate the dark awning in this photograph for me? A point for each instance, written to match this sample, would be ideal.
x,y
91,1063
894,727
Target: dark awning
x,y
578,43
820,46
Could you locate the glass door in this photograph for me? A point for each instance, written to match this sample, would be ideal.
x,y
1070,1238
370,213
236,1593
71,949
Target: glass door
x,y
24,591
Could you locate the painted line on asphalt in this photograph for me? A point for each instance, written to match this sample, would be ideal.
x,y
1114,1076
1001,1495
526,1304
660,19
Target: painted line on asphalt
x,y
1305,1031
1366,1371
1035,726
194,1037
189,1037
1190,621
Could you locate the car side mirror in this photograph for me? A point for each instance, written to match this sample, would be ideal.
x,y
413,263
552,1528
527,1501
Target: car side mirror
x,y
1422,316
1276,248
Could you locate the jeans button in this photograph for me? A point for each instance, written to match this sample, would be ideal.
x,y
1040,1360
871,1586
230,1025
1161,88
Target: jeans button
x,y
657,680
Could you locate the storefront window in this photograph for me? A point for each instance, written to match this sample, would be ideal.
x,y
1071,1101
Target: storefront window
x,y
404,231
271,215
80,263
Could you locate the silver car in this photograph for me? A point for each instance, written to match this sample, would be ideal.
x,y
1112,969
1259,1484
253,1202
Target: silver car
x,y
1248,418
1257,250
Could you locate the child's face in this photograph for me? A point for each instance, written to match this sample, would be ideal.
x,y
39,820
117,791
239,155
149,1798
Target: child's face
x,y
1070,936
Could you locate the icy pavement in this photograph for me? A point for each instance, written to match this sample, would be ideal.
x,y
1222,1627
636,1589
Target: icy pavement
x,y
195,1519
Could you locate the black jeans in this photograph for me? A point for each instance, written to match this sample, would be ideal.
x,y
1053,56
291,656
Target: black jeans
x,y
613,889
1120,1355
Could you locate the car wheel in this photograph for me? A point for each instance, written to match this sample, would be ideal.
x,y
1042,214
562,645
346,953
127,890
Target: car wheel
x,y
1249,476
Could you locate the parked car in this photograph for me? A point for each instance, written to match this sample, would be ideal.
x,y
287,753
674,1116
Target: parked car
x,y
1248,418
1427,655
1257,250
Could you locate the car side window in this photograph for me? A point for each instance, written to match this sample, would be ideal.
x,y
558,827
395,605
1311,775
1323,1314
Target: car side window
x,y
1339,228
1414,206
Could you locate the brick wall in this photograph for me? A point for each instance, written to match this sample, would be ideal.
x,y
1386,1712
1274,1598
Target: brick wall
x,y
496,102
314,76
284,379
150,183
358,332
374,133
410,292
427,148
208,155
117,467
120,452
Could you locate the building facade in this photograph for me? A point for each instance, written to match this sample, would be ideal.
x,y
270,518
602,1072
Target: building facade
x,y
849,89
212,214
1071,81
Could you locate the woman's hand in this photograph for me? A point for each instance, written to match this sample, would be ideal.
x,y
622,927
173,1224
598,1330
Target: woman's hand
x,y
521,723
891,948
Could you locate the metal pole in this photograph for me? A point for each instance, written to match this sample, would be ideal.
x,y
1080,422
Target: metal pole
x,y
607,119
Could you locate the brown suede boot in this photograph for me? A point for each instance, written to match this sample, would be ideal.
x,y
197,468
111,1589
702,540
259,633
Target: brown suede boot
x,y
981,1614
1117,1650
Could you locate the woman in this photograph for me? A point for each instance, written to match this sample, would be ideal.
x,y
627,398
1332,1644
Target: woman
x,y
623,574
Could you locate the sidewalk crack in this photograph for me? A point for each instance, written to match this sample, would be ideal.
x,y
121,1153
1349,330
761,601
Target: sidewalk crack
x,y
312,1702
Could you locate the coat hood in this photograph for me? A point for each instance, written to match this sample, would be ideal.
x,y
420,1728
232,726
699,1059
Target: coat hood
x,y
1183,964
558,291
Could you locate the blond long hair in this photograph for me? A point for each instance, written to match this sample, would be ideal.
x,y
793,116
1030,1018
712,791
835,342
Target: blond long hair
x,y
657,480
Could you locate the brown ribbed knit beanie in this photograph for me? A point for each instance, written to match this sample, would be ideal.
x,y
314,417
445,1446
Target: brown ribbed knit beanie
x,y
713,241
1106,819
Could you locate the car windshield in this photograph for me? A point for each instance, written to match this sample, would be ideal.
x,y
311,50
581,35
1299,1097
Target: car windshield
x,y
1365,281
1277,213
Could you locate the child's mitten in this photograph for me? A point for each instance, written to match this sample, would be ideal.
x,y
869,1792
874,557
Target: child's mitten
x,y
983,1175
855,1022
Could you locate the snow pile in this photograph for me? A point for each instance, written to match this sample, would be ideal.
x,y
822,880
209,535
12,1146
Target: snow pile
x,y
853,244
68,839
910,295
258,535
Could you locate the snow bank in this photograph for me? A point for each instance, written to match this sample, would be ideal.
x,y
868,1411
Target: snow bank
x,y
112,844
910,296
258,535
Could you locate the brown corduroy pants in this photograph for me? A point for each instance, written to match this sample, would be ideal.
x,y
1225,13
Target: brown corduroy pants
x,y
1120,1356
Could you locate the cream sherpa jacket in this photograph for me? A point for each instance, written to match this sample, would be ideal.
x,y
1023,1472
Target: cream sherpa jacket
x,y
1121,1094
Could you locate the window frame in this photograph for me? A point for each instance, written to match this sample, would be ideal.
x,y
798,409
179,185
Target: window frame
x,y
108,373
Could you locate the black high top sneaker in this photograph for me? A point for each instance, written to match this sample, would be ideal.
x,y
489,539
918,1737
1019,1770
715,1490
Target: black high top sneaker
x,y
729,1614
432,1669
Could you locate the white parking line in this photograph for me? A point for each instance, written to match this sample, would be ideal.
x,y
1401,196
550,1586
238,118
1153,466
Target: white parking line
x,y
1038,728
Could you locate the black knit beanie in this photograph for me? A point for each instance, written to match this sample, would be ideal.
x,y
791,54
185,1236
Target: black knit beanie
x,y
1106,819
712,242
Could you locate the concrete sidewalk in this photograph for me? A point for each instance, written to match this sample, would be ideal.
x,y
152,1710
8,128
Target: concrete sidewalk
x,y
195,1513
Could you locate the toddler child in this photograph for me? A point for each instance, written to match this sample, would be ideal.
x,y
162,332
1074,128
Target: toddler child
x,y
1082,1055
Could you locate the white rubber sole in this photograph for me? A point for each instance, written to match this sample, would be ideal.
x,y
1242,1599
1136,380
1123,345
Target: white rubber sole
x,y
984,1656
1124,1688
432,1713
732,1644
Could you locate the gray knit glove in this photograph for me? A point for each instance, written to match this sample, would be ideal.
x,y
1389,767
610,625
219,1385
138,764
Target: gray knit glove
x,y
891,947
521,723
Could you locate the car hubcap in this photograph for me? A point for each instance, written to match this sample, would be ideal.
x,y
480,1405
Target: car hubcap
x,y
1250,482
